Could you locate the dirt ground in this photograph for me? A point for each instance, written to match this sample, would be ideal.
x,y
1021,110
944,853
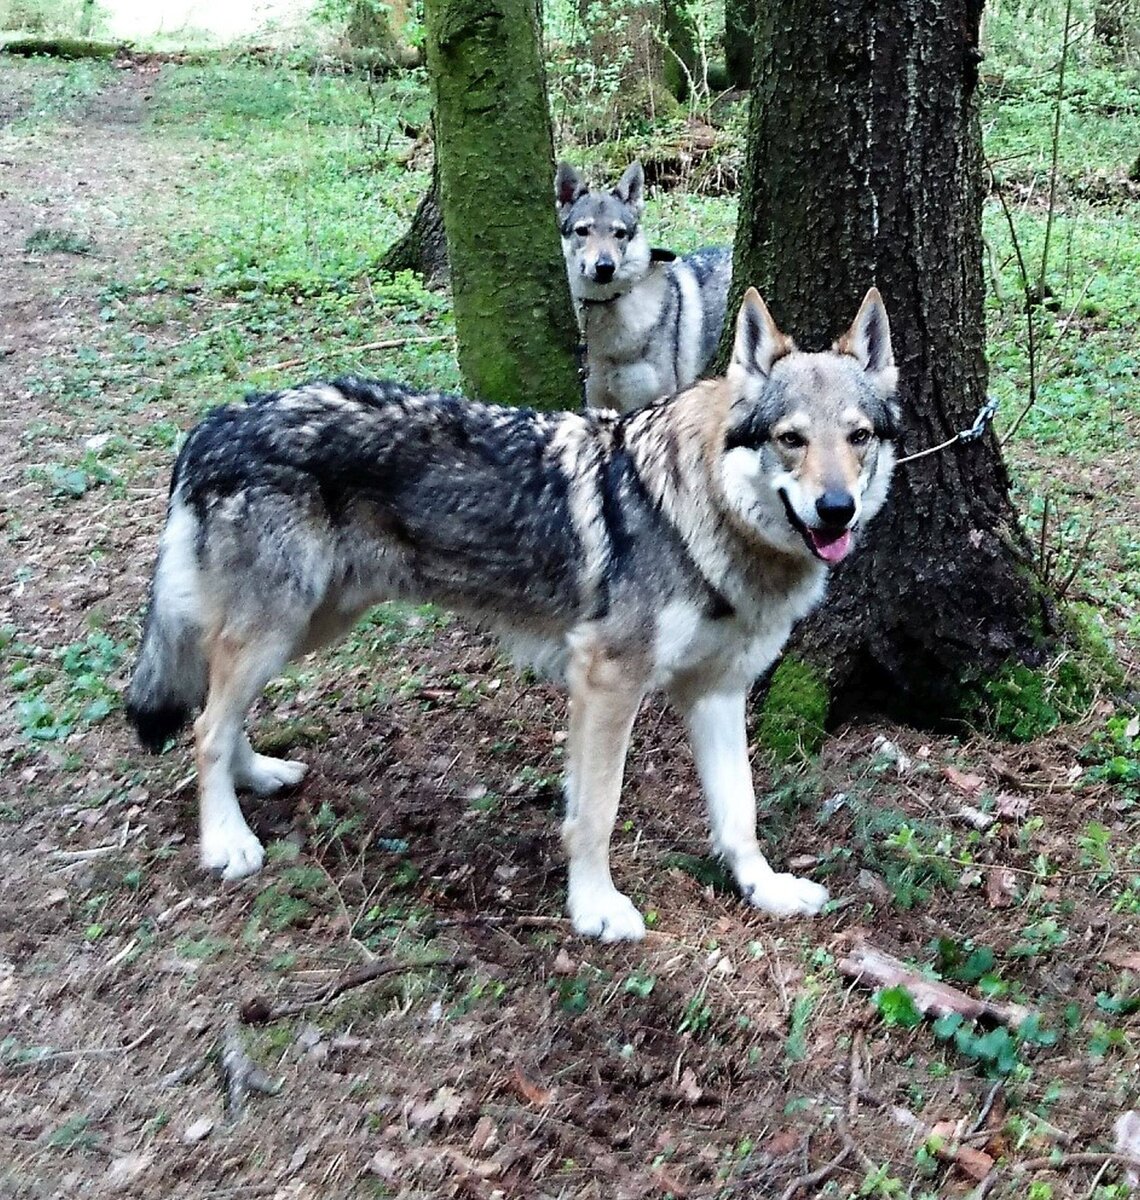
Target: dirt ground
x,y
725,1056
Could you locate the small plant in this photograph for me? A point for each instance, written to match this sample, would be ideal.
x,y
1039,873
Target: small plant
x,y
897,1007
74,1134
795,1047
58,241
574,995
640,985
697,1015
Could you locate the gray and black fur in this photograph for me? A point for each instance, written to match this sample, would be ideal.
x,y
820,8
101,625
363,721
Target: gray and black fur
x,y
650,320
669,548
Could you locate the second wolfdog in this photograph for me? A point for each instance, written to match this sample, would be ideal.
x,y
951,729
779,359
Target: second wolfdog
x,y
671,549
650,323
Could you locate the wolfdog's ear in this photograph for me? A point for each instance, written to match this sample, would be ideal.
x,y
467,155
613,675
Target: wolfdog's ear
x,y
630,188
759,342
868,341
568,185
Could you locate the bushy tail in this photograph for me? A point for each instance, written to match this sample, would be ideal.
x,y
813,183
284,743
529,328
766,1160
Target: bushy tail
x,y
169,680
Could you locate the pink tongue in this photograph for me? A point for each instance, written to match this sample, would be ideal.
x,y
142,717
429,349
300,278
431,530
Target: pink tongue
x,y
830,549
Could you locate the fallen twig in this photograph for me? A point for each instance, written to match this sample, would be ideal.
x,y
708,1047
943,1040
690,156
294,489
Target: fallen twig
x,y
820,1174
390,344
867,963
945,1139
259,1009
88,1052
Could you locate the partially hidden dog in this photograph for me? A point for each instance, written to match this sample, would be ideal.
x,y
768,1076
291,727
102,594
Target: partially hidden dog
x,y
672,548
650,321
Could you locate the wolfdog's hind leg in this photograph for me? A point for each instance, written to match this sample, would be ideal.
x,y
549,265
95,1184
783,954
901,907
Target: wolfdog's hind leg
x,y
603,703
240,665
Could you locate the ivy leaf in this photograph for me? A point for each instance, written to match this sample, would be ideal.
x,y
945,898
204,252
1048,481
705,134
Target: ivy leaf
x,y
897,1007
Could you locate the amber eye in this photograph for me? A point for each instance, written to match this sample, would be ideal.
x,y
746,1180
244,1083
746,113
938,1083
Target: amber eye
x,y
792,440
860,437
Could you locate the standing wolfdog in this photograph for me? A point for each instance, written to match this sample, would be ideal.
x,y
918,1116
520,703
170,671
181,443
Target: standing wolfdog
x,y
650,324
672,548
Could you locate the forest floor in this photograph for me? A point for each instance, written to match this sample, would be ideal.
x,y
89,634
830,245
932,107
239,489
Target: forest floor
x,y
172,233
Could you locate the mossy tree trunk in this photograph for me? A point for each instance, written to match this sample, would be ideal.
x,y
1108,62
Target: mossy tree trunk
x,y
864,167
739,26
514,320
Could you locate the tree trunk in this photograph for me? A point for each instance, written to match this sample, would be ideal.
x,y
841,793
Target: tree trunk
x,y
739,27
683,67
864,167
633,77
423,248
513,317
1108,21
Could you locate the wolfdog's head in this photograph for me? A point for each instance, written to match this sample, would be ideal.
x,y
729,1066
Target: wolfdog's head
x,y
808,447
605,249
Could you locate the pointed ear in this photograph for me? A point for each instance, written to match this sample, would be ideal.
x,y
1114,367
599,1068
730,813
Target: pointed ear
x,y
568,185
868,341
759,343
630,188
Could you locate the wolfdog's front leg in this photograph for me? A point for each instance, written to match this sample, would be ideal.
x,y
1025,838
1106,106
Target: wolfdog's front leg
x,y
603,703
719,739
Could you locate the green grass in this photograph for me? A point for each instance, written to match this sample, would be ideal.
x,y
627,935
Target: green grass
x,y
53,92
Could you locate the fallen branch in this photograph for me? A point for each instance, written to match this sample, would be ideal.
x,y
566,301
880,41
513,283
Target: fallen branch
x,y
869,965
1084,1158
390,344
259,1010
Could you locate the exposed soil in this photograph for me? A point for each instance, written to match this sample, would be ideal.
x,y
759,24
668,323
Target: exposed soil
x,y
724,1056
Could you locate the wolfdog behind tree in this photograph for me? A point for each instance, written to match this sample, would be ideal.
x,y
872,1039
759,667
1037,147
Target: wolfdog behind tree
x,y
650,321
668,549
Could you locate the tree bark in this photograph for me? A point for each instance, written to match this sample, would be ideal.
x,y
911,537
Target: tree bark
x,y
513,316
423,247
739,27
864,167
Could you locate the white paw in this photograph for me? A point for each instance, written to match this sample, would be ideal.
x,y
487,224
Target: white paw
x,y
607,915
782,895
231,847
265,775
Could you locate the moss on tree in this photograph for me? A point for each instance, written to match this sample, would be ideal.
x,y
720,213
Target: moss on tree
x,y
513,316
794,716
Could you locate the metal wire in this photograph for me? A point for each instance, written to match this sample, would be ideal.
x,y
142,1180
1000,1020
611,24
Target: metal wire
x,y
981,422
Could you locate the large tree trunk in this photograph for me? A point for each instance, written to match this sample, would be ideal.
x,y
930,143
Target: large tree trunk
x,y
513,317
864,167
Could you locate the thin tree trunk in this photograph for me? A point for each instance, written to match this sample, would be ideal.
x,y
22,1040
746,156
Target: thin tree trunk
x,y
864,167
514,321
739,27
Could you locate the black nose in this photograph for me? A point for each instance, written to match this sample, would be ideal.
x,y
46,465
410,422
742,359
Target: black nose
x,y
604,270
835,508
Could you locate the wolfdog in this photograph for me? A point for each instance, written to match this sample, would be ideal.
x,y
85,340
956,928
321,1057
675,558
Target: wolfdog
x,y
650,321
670,548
